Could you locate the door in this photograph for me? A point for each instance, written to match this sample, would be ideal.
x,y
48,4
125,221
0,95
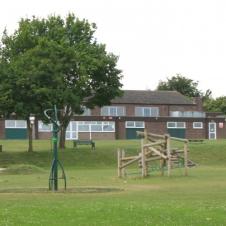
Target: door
x,y
72,131
16,133
15,129
131,133
212,131
177,132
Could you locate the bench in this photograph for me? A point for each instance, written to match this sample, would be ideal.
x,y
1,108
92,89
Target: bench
x,y
84,142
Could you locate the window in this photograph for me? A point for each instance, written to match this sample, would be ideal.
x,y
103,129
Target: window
x,y
83,126
134,124
197,125
194,114
42,127
188,114
87,112
96,126
15,124
108,126
177,125
198,114
176,114
113,111
147,111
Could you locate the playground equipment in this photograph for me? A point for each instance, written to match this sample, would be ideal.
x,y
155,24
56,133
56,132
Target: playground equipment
x,y
156,147
51,114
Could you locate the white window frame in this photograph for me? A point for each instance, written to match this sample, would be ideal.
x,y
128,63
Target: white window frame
x,y
144,108
197,127
109,109
15,124
102,124
134,124
72,133
176,125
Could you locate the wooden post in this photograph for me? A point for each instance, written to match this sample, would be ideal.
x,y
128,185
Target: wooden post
x,y
123,170
161,162
167,137
145,151
143,162
119,163
186,158
145,136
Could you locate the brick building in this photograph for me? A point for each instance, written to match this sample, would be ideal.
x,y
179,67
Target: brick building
x,y
157,111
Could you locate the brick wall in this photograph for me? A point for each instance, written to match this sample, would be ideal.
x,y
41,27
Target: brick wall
x,y
2,129
121,130
184,108
156,127
221,132
44,135
195,133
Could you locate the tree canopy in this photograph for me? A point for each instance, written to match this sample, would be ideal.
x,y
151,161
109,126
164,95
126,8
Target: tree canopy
x,y
56,61
216,105
183,85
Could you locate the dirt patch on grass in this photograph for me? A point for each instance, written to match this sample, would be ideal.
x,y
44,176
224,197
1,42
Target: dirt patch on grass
x,y
22,169
142,187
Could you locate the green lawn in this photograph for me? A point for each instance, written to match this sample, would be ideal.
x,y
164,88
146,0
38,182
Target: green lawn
x,y
95,195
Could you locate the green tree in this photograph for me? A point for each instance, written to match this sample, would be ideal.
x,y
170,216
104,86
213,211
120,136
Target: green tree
x,y
183,85
56,61
216,105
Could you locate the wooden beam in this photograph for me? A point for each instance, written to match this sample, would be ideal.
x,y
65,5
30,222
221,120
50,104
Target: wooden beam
x,y
154,144
130,162
156,135
179,139
129,158
123,169
167,137
157,152
119,163
185,158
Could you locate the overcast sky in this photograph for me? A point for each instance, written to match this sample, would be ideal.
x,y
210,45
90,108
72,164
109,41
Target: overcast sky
x,y
154,39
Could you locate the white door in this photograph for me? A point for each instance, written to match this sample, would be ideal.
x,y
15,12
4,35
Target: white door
x,y
212,130
72,131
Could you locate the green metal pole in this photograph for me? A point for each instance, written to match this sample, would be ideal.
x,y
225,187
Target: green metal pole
x,y
53,178
55,151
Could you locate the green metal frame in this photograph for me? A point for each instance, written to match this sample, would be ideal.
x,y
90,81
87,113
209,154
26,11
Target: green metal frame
x,y
53,177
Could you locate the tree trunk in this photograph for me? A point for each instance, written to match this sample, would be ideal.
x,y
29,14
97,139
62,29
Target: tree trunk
x,y
62,137
30,138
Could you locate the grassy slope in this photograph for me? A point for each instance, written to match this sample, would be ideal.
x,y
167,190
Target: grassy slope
x,y
195,200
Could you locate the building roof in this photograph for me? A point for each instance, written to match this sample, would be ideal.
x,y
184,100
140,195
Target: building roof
x,y
152,97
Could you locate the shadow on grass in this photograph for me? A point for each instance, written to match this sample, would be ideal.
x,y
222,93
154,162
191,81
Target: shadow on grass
x,y
69,190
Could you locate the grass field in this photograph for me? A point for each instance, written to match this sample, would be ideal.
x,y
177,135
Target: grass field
x,y
95,195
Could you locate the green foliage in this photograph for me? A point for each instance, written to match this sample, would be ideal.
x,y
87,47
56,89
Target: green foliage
x,y
55,61
216,105
183,85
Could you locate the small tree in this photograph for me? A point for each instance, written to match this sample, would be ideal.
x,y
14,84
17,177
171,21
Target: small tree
x,y
56,61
